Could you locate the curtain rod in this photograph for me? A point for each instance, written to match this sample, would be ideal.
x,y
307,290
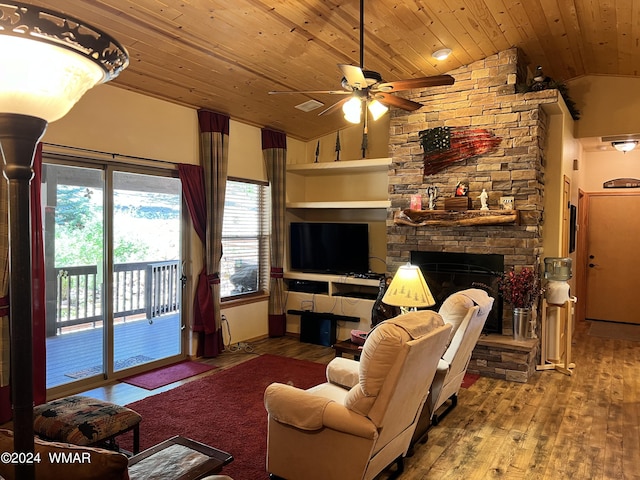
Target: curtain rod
x,y
113,156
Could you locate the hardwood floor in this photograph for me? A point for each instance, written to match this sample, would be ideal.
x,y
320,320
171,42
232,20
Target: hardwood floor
x,y
584,426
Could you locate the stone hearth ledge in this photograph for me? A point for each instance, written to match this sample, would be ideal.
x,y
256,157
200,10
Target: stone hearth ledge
x,y
500,356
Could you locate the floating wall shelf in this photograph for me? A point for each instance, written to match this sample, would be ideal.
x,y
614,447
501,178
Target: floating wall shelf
x,y
341,167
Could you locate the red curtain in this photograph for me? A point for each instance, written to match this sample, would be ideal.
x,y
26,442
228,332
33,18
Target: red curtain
x,y
38,285
38,298
192,178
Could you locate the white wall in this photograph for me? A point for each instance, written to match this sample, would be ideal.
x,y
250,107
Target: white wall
x,y
599,167
608,105
114,120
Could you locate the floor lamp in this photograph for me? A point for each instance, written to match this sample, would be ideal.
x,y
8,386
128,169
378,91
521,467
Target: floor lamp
x,y
49,61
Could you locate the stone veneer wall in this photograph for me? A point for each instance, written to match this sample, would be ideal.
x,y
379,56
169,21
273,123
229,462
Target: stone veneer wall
x,y
483,96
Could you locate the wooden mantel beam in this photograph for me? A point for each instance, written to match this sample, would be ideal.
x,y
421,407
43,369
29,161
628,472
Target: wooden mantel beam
x,y
443,218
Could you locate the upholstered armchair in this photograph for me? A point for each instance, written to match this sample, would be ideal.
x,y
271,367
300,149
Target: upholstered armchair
x,y
466,311
362,419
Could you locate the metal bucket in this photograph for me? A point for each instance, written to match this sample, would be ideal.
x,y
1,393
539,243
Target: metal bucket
x,y
522,324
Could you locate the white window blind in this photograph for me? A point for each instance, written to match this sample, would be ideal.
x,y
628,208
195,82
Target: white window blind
x,y
245,238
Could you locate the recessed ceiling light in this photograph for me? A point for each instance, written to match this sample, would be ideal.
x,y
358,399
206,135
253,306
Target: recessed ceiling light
x,y
441,54
309,106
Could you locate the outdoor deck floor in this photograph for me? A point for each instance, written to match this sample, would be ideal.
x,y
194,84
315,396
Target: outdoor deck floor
x,y
136,342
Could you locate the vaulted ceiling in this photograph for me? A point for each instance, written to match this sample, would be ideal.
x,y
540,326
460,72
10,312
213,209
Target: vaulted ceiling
x,y
226,55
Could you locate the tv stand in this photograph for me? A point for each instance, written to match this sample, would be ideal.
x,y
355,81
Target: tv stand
x,y
329,302
327,315
355,286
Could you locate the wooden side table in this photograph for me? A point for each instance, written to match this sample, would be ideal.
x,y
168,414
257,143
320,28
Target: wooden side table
x,y
180,458
347,346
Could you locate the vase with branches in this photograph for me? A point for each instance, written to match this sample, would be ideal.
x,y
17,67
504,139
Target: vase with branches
x,y
521,290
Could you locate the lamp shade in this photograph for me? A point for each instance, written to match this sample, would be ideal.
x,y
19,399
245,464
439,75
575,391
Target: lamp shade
x,y
352,110
409,289
377,109
52,60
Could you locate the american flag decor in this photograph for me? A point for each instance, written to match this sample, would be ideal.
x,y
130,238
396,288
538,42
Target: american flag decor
x,y
443,146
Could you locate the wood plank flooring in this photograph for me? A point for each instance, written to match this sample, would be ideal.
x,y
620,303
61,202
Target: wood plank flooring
x,y
584,426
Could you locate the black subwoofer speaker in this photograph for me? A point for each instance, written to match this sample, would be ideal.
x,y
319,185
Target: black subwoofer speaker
x,y
314,329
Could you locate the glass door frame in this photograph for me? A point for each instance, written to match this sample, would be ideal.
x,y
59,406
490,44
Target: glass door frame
x,y
108,167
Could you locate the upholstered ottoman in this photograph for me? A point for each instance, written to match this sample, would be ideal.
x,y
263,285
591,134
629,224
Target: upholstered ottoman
x,y
85,421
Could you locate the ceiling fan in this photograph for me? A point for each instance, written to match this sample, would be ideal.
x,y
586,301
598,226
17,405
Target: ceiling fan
x,y
360,86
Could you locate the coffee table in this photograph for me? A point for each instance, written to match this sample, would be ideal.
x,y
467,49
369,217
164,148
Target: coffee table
x,y
347,346
179,458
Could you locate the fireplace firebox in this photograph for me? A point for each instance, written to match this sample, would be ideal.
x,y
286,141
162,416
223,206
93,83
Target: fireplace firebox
x,y
450,272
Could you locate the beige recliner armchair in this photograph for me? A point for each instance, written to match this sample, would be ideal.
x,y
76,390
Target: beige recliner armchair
x,y
466,311
362,419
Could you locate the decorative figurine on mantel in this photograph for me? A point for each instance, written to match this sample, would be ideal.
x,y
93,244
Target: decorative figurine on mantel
x,y
317,151
461,201
416,202
432,193
484,197
338,148
462,189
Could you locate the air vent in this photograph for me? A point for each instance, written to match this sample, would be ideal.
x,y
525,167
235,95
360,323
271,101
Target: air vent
x,y
621,138
309,106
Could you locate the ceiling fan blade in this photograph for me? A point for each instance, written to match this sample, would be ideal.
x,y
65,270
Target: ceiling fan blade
x,y
399,102
334,107
354,75
329,92
411,83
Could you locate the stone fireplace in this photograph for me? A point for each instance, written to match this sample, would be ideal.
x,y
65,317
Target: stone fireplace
x,y
483,97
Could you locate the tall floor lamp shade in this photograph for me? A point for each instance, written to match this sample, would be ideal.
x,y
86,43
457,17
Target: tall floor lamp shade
x,y
49,61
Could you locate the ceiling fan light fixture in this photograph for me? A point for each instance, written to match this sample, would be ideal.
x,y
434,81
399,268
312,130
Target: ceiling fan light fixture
x,y
441,54
377,109
625,146
352,110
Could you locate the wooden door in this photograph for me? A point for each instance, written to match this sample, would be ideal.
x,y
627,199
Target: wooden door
x,y
613,258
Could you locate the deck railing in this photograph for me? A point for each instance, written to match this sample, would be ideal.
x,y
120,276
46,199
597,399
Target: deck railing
x,y
150,288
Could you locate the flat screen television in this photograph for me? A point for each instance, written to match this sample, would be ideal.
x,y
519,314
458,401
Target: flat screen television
x,y
338,248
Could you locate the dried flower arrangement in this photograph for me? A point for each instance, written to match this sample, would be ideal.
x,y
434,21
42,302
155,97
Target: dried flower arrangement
x,y
521,289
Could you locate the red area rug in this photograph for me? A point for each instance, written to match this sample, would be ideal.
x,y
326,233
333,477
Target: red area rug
x,y
165,375
224,410
469,379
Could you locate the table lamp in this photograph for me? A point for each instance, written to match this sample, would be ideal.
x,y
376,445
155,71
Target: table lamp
x,y
408,290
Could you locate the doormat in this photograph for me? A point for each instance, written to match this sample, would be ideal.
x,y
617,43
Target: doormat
x,y
469,379
165,375
119,365
614,330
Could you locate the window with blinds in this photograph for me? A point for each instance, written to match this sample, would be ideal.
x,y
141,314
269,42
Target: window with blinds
x,y
245,239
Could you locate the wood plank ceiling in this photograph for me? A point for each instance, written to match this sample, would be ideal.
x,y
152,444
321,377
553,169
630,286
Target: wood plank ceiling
x,y
226,55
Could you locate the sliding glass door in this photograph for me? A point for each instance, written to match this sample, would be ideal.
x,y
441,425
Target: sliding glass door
x,y
73,224
146,268
113,263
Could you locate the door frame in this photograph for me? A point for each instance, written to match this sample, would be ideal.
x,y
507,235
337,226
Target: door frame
x,y
108,167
